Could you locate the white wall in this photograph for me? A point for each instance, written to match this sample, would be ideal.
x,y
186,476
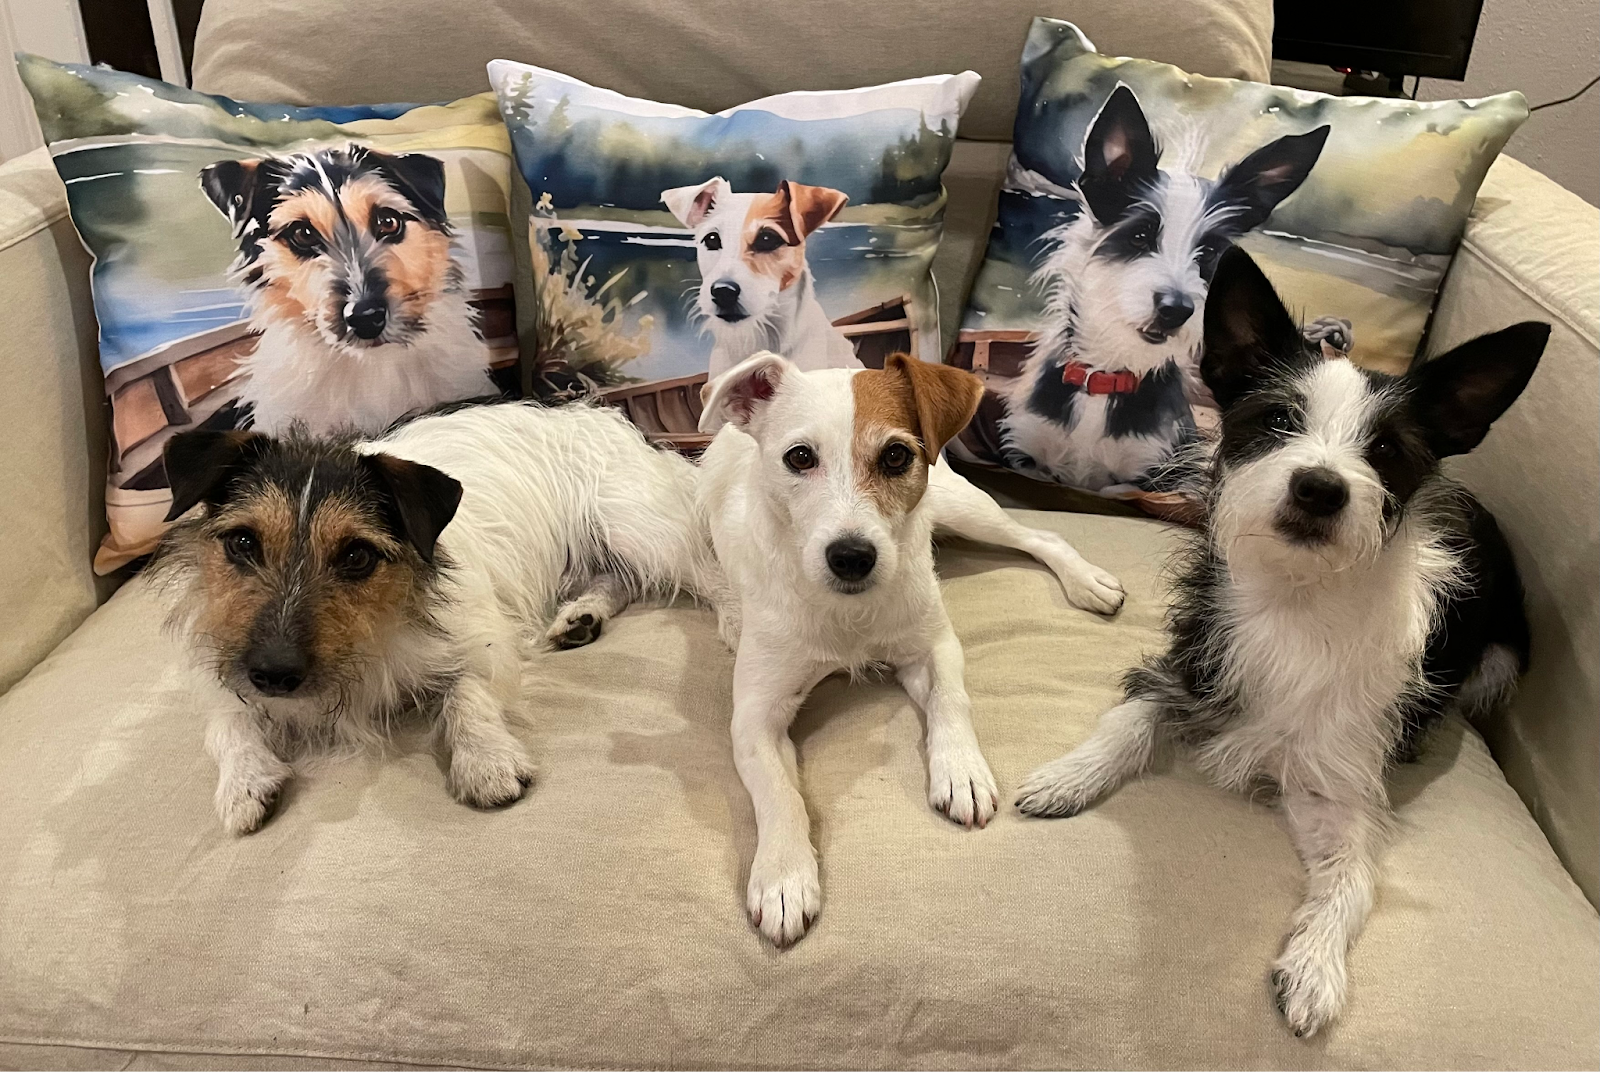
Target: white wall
x,y
51,28
1547,49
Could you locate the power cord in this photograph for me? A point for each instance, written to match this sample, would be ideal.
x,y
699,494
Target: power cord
x,y
1416,83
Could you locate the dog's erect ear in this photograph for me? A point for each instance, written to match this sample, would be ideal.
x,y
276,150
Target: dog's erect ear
x,y
199,465
1458,395
691,204
421,499
1261,180
802,209
945,398
419,178
1119,157
1247,329
231,186
738,395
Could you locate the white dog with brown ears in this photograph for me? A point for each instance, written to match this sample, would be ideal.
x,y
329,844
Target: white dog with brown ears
x,y
756,291
823,493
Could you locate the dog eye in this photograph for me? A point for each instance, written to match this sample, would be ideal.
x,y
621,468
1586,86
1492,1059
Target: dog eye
x,y
1143,236
357,560
766,240
895,459
302,237
1280,421
241,547
712,241
799,459
387,223
1384,447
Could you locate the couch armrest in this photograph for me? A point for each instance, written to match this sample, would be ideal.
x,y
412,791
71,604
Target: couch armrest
x,y
1532,252
52,422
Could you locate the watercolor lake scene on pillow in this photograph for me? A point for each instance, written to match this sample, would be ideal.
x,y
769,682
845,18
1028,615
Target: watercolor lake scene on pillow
x,y
266,267
669,244
1127,180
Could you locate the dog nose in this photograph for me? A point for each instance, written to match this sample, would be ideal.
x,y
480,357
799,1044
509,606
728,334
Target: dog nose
x,y
851,558
725,294
1319,492
277,669
1173,310
367,318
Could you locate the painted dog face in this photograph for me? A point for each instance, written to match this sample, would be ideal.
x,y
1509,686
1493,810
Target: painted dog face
x,y
750,247
351,244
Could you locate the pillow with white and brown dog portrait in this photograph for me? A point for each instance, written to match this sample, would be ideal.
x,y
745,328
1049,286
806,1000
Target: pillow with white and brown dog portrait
x,y
1127,180
260,266
668,244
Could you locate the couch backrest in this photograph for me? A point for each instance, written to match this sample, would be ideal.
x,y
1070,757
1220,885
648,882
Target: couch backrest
x,y
697,53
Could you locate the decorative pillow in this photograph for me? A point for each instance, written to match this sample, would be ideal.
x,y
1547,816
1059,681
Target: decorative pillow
x,y
669,244
1126,181
261,266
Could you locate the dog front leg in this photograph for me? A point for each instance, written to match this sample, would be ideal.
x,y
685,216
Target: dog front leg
x,y
488,766
1122,745
1338,843
250,775
784,894
960,784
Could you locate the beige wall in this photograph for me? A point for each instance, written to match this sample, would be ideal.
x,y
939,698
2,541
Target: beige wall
x,y
1547,49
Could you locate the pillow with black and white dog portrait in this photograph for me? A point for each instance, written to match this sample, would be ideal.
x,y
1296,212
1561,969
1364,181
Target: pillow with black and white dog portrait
x,y
263,266
1127,180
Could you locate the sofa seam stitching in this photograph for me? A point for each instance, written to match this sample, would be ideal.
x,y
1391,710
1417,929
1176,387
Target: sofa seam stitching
x,y
1550,303
49,220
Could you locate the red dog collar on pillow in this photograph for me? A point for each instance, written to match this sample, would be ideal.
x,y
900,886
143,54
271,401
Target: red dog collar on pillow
x,y
1099,383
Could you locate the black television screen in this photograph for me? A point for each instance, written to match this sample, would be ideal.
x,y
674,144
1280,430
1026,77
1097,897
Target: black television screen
x,y
1427,38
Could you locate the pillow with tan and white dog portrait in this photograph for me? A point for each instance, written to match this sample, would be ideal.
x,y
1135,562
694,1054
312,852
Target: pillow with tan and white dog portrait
x,y
260,266
1128,178
669,244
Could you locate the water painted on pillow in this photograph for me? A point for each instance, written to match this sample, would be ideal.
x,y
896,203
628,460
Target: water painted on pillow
x,y
261,266
1127,180
669,244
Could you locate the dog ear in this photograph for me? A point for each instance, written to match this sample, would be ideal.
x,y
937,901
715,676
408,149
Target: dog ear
x,y
419,178
1247,328
691,204
422,500
738,395
808,207
1264,178
231,186
199,465
1119,157
1459,394
945,398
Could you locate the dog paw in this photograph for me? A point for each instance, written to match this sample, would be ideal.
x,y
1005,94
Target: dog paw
x,y
784,896
1060,789
574,627
244,802
490,778
1091,588
1308,985
961,787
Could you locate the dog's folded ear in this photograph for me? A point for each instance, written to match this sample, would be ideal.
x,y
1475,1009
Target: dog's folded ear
x,y
1247,328
417,177
200,465
421,499
805,208
1458,395
1120,156
231,186
691,204
738,395
1256,184
944,396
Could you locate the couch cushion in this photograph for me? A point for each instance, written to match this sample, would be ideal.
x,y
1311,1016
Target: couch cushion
x,y
691,52
599,921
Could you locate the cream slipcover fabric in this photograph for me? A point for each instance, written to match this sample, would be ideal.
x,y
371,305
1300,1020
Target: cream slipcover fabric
x,y
707,54
599,922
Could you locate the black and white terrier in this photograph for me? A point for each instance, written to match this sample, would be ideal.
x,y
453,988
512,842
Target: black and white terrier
x,y
1341,597
346,257
1104,397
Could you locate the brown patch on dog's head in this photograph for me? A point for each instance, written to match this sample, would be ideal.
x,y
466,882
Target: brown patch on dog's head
x,y
904,415
306,559
776,226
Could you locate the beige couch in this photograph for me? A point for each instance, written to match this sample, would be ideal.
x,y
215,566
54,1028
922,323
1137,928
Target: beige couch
x,y
599,922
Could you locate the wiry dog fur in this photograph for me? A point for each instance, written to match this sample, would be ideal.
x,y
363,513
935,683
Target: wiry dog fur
x,y
1342,596
1122,282
756,291
329,584
822,492
345,255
